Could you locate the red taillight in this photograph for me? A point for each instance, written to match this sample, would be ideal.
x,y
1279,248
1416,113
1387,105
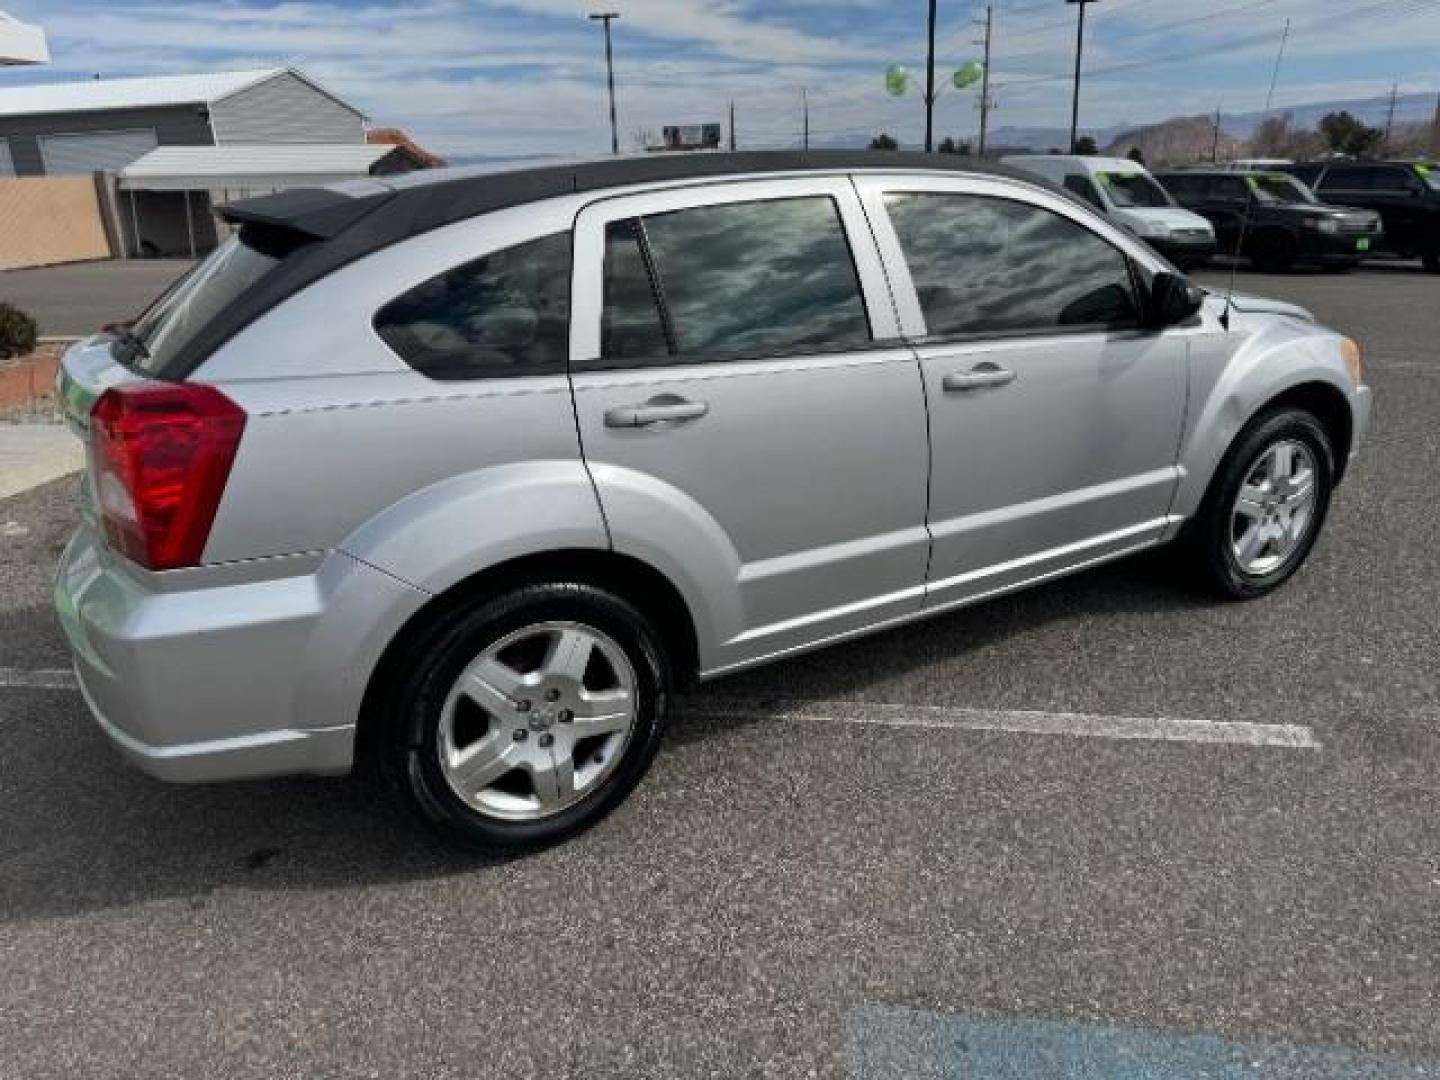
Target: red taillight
x,y
163,452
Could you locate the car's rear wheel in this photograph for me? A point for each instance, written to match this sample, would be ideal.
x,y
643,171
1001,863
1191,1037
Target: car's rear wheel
x,y
1266,505
526,719
1273,250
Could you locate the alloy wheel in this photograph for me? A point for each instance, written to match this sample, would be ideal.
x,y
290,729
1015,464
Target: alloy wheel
x,y
538,720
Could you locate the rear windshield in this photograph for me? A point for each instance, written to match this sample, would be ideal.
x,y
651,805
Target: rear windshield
x,y
1279,188
1134,189
169,324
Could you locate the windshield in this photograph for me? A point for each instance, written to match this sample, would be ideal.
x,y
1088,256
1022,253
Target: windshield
x,y
1431,175
1134,190
165,328
1279,188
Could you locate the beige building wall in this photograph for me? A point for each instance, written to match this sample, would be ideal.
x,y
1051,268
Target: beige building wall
x,y
50,219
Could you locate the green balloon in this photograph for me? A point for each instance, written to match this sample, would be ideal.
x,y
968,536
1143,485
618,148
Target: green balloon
x,y
897,80
968,75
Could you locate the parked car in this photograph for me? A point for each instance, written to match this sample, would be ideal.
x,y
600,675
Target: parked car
x,y
1124,191
467,475
1275,220
1406,195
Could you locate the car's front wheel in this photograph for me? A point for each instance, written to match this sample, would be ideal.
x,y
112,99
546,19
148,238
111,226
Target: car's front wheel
x,y
526,719
1266,505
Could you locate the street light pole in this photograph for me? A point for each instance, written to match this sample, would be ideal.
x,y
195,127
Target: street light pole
x,y
1079,49
606,17
930,86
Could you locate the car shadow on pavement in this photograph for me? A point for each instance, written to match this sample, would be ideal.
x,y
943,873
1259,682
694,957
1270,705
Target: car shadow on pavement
x,y
83,831
1143,585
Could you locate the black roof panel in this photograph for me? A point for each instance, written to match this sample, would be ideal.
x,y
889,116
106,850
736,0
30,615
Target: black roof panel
x,y
335,226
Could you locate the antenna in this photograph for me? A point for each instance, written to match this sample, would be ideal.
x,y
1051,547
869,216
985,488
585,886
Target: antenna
x,y
1245,218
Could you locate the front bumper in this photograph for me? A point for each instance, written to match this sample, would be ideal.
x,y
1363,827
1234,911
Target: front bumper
x,y
1338,249
229,682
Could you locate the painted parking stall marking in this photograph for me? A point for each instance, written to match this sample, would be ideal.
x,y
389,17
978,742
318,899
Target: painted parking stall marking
x,y
1025,722
887,1043
41,679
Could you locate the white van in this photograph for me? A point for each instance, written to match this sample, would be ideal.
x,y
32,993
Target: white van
x,y
1125,192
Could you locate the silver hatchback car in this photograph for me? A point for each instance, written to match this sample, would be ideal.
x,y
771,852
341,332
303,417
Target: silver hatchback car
x,y
464,475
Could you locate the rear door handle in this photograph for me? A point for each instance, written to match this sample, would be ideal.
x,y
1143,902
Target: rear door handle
x,y
978,378
664,410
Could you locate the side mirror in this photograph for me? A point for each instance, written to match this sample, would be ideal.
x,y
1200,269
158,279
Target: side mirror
x,y
1173,299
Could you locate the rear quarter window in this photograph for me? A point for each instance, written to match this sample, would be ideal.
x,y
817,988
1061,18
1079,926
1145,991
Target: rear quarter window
x,y
504,315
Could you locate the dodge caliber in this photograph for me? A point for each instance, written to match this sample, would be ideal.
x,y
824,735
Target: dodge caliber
x,y
464,476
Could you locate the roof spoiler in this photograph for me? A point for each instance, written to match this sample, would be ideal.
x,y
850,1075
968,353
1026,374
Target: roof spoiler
x,y
314,213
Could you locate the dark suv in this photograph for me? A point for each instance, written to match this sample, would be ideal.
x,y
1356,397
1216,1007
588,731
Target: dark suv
x,y
1282,221
1405,194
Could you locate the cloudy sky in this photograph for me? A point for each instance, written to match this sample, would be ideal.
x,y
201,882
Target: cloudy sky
x,y
518,77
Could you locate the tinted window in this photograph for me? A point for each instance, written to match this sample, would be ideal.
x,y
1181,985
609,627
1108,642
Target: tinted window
x,y
631,325
1182,187
1395,178
984,265
506,314
742,279
1308,174
1349,178
1229,188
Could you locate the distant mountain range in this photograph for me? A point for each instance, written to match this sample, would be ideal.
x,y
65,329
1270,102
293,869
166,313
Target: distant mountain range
x,y
1408,108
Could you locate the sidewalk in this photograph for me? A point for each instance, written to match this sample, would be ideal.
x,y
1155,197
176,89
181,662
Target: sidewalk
x,y
35,454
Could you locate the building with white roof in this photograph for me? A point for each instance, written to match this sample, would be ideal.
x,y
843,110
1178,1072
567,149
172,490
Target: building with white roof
x,y
166,137
21,43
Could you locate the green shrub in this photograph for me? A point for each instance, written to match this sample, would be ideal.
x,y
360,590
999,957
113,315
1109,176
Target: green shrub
x,y
18,331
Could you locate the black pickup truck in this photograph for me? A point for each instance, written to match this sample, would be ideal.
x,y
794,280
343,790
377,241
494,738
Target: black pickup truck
x,y
1282,221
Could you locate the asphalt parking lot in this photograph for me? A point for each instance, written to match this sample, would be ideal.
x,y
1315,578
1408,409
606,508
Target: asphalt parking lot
x,y
78,298
875,861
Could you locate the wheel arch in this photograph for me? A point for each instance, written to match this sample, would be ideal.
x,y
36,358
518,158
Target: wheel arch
x,y
637,581
1326,404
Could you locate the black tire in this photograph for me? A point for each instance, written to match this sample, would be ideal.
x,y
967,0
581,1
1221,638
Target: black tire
x,y
1273,251
1210,541
1432,261
410,715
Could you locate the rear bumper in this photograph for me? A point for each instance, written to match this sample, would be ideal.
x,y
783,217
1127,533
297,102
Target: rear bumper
x,y
237,681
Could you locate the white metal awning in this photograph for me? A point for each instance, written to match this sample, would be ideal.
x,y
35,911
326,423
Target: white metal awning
x,y
243,167
21,43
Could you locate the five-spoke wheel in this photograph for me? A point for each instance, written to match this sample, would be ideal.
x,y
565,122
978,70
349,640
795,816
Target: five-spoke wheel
x,y
1266,504
523,719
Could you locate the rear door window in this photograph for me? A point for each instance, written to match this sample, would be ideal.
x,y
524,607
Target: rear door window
x,y
504,315
1082,185
733,280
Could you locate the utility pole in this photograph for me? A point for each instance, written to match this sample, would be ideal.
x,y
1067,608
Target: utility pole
x,y
1390,116
1079,50
985,79
732,125
606,17
1215,146
805,120
930,85
1435,132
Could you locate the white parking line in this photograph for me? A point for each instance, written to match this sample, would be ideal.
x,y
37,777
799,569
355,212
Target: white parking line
x,y
923,717
1084,725
43,679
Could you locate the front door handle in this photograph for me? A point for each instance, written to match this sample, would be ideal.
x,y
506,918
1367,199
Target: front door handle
x,y
978,378
666,409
